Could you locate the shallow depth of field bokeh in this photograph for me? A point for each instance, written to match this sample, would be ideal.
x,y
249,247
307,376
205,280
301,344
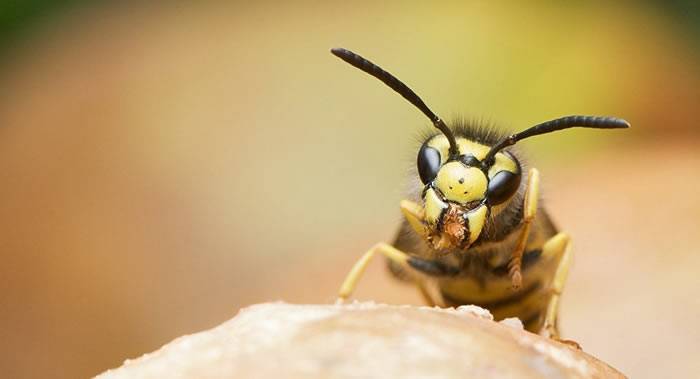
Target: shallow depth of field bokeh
x,y
165,165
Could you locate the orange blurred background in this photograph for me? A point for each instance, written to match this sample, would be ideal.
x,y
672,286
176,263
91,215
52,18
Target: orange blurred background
x,y
165,165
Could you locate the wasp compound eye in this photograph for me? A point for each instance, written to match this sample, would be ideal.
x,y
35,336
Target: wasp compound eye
x,y
428,163
502,187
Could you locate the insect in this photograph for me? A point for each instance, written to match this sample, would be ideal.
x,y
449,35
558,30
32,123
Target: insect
x,y
473,232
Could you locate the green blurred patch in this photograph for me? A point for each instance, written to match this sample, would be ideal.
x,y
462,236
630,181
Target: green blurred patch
x,y
19,17
687,12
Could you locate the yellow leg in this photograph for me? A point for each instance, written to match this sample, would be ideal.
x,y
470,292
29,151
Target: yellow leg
x,y
392,253
425,293
415,215
558,248
529,211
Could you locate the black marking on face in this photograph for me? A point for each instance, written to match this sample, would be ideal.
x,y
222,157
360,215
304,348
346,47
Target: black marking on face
x,y
470,160
467,234
428,163
441,218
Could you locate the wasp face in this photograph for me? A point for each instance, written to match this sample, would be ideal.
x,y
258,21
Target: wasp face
x,y
460,190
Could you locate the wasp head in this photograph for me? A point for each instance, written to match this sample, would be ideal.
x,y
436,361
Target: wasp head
x,y
460,189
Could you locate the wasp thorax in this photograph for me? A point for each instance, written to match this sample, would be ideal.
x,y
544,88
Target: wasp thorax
x,y
460,183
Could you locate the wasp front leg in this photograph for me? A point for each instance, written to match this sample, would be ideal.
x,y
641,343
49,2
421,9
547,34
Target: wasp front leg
x,y
414,215
532,191
395,255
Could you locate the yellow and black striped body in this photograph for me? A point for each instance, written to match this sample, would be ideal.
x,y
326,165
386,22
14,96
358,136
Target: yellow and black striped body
x,y
479,273
483,278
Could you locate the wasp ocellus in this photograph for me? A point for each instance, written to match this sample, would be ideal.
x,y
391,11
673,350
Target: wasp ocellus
x,y
473,232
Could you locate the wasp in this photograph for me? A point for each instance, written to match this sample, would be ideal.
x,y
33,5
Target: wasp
x,y
473,230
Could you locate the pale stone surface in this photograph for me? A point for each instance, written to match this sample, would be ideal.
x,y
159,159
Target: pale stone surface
x,y
363,340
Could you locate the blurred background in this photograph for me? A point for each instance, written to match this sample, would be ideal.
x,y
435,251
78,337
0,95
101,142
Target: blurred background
x,y
163,165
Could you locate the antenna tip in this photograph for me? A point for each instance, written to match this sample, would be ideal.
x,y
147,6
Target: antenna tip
x,y
621,123
338,51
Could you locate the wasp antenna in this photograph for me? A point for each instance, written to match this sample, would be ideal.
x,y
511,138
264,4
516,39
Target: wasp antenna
x,y
398,86
561,123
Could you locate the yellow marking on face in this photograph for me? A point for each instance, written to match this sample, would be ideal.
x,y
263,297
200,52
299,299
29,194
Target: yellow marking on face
x,y
433,207
476,220
414,214
466,147
503,162
460,183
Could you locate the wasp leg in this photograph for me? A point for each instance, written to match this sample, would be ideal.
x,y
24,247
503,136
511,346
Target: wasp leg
x,y
425,293
415,215
557,248
529,211
393,254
